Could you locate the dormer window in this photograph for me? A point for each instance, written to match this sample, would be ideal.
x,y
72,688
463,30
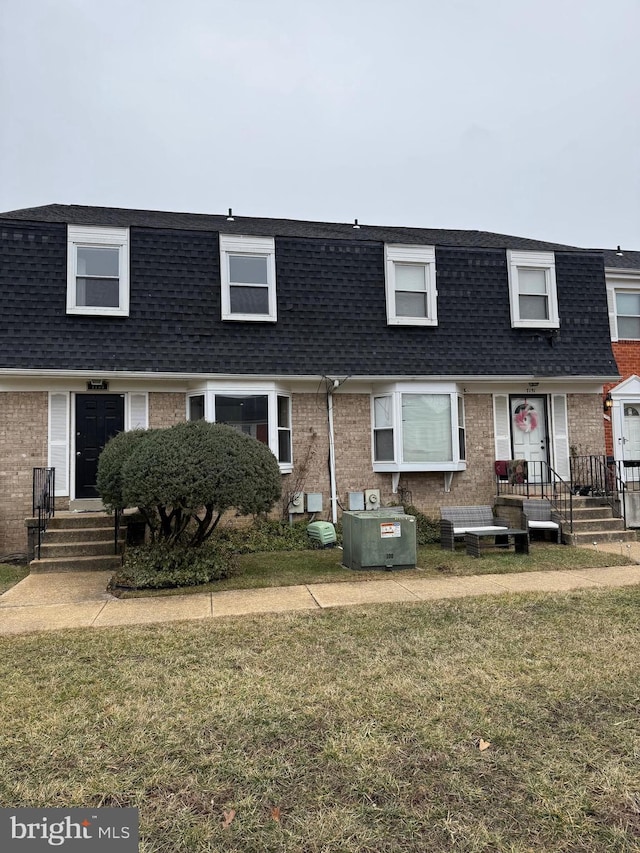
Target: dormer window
x,y
248,278
411,285
98,271
532,290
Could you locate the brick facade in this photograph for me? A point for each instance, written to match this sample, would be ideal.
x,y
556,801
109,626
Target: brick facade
x,y
627,355
166,409
23,446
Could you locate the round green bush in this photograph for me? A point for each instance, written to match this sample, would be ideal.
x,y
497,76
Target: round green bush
x,y
116,452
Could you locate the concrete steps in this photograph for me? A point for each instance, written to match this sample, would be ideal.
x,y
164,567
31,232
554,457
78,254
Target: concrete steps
x,y
593,522
79,542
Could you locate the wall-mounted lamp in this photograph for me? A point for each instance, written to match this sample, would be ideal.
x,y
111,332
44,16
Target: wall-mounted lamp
x,y
619,252
607,404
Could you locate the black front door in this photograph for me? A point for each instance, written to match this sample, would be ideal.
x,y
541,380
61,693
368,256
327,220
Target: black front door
x,y
98,418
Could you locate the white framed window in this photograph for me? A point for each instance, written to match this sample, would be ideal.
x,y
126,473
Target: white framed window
x,y
248,278
532,290
628,315
411,285
98,271
418,427
264,413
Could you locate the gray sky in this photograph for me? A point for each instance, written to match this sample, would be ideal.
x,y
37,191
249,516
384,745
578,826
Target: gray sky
x,y
498,115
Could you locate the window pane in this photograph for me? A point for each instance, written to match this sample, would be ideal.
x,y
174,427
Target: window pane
x,y
249,300
426,428
196,408
532,281
284,445
383,412
247,414
628,303
244,269
284,417
629,327
410,277
383,445
462,452
534,308
104,262
411,304
98,292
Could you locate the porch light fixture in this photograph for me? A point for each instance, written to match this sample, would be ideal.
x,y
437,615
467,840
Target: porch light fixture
x,y
619,252
607,404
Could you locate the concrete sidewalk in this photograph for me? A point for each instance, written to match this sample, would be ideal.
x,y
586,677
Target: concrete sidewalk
x,y
45,602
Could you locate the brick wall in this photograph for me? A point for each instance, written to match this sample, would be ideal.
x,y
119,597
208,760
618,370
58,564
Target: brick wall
x,y
627,355
586,424
166,409
23,446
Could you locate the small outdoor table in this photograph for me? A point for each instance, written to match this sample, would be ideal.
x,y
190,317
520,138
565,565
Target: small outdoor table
x,y
520,540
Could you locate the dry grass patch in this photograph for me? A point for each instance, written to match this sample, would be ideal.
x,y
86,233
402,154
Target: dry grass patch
x,y
361,726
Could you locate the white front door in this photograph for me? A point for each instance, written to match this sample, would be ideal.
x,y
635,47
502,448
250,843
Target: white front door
x,y
529,434
631,438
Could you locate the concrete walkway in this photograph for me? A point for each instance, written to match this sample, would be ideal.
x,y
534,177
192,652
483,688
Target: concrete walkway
x,y
44,602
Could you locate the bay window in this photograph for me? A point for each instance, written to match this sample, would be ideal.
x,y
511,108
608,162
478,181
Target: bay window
x,y
263,414
418,427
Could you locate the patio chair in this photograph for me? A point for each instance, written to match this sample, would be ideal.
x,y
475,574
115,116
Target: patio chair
x,y
540,515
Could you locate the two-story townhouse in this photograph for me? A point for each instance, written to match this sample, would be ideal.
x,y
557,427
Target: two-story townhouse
x,y
403,361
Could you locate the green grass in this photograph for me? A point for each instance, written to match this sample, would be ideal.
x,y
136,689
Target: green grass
x,y
361,725
288,568
10,574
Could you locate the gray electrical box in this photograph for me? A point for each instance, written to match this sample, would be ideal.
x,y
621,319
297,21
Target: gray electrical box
x,y
378,539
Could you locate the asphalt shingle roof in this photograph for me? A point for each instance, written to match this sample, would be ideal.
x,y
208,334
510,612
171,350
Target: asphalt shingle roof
x,y
83,215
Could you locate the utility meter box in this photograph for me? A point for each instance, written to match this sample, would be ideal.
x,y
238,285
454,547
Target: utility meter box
x,y
378,539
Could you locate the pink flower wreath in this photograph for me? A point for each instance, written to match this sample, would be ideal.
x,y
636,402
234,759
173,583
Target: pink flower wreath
x,y
526,417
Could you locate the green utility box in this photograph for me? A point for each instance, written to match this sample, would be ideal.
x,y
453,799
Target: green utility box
x,y
323,532
379,539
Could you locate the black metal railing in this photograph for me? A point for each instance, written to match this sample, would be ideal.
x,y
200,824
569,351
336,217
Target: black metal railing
x,y
116,531
539,480
599,477
43,505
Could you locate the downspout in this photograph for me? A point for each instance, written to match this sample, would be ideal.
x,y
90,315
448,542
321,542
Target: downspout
x,y
332,452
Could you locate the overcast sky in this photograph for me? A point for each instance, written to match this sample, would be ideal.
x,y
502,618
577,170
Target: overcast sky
x,y
497,115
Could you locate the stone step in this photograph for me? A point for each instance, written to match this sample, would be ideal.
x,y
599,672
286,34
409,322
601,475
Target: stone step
x,y
588,538
63,535
68,520
589,512
76,549
76,564
581,525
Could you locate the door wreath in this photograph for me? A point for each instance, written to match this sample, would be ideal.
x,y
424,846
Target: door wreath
x,y
526,418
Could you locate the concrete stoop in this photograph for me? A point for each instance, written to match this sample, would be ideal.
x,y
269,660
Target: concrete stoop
x,y
79,542
594,522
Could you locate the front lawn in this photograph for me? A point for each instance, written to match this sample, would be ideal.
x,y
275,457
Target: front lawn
x,y
467,725
10,574
288,568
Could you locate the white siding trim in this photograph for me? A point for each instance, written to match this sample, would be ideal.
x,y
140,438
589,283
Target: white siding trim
x,y
502,426
560,435
137,411
58,451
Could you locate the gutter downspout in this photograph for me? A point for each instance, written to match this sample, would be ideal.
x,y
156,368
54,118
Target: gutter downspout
x,y
332,453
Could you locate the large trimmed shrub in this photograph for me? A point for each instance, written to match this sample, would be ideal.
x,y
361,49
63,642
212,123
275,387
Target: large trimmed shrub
x,y
115,454
159,566
184,478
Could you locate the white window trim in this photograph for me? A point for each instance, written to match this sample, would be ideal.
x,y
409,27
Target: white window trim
x,y
98,237
620,282
396,391
419,255
240,245
533,260
238,389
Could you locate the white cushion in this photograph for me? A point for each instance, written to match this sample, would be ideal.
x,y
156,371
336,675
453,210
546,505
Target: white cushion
x,y
461,530
544,525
